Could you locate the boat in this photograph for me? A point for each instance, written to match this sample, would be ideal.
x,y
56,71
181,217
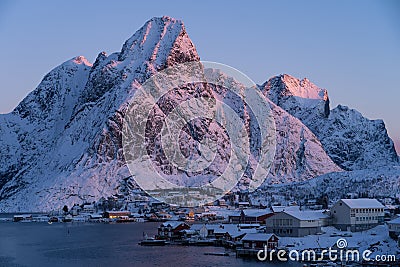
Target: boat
x,y
151,241
125,219
217,253
67,218
52,220
201,242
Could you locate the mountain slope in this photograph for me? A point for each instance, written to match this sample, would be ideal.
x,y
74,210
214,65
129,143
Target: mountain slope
x,y
351,140
68,130
299,154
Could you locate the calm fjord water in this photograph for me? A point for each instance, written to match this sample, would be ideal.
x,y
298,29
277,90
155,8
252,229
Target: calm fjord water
x,y
83,244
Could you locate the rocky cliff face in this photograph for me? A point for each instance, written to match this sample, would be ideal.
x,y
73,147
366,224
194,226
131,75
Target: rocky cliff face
x,y
63,144
299,154
351,140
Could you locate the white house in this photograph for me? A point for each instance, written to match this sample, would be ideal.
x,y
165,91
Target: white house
x,y
394,228
296,223
222,231
75,210
357,214
88,208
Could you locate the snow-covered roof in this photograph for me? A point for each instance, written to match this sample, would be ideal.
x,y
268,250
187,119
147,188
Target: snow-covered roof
x,y
249,225
189,231
283,208
118,212
197,226
232,229
395,221
96,216
256,212
23,216
218,228
362,203
307,215
173,224
257,237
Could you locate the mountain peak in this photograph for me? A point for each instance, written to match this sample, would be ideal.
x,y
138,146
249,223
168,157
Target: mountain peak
x,y
297,96
158,44
160,40
291,86
82,60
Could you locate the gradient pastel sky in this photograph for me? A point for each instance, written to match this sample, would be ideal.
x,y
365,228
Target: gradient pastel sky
x,y
350,48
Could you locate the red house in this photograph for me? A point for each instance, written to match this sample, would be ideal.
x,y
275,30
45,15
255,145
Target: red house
x,y
172,230
258,241
255,215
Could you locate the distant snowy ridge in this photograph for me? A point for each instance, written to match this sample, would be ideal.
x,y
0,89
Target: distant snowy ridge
x,y
351,140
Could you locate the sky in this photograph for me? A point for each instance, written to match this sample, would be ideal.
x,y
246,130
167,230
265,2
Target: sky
x,y
350,48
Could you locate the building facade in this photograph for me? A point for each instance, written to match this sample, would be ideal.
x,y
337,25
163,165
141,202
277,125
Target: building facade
x,y
259,241
172,230
296,223
357,214
394,228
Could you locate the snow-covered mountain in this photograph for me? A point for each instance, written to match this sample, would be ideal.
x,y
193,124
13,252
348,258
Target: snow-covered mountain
x,y
299,154
351,140
63,143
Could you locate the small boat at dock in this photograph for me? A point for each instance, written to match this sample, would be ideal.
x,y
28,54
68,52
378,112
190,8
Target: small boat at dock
x,y
217,253
151,241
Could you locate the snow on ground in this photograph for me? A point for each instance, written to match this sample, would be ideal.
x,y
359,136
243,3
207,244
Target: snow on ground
x,y
377,240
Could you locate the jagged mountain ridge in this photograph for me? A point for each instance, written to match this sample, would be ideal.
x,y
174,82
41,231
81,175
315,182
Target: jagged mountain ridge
x,y
62,144
86,160
351,140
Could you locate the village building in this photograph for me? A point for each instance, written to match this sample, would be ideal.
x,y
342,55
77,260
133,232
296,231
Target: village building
x,y
260,241
394,228
248,216
243,204
222,203
234,217
116,214
88,208
223,231
22,217
172,230
254,215
207,216
390,210
296,223
75,210
95,217
276,209
204,230
231,232
357,214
